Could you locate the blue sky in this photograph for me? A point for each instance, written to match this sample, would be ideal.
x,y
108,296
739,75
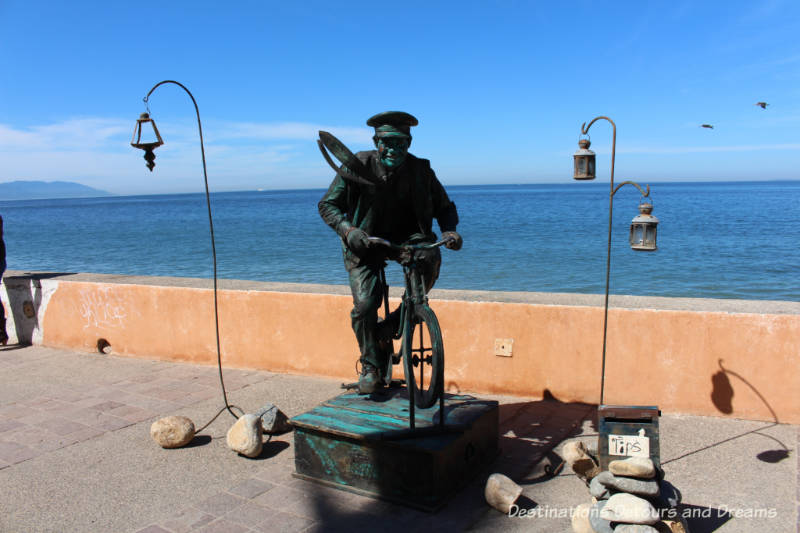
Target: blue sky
x,y
500,88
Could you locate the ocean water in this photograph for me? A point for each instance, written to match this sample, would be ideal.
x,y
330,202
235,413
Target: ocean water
x,y
715,239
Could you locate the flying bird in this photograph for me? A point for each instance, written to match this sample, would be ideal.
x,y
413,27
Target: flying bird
x,y
763,105
709,126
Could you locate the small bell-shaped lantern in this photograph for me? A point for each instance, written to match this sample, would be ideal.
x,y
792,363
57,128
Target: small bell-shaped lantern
x,y
147,138
584,161
643,229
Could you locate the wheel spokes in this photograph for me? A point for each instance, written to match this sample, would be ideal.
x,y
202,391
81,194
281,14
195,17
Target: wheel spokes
x,y
425,385
422,357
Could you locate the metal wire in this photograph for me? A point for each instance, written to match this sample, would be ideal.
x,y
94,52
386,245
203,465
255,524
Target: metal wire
x,y
213,246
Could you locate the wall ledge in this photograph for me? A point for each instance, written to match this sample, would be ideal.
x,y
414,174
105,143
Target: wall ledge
x,y
690,355
702,305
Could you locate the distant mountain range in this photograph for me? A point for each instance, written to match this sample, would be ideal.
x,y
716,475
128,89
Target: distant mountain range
x,y
32,190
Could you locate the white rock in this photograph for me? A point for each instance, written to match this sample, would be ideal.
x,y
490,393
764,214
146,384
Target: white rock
x,y
597,489
624,507
573,450
635,528
244,437
646,488
576,456
580,519
501,492
641,467
172,431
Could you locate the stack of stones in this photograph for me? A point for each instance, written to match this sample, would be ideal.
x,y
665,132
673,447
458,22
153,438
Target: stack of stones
x,y
630,497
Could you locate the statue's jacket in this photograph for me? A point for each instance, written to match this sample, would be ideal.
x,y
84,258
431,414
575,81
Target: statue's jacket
x,y
347,203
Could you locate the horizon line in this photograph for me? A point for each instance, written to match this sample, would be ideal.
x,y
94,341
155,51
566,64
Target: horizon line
x,y
290,189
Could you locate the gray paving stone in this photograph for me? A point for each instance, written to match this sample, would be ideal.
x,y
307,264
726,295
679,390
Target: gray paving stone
x,y
107,405
41,440
13,411
223,526
220,504
154,529
251,515
285,523
250,488
110,423
155,405
283,498
43,402
85,402
7,425
61,426
71,396
12,452
132,413
187,520
278,473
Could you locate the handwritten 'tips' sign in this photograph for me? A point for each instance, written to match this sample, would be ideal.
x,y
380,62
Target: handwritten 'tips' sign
x,y
629,445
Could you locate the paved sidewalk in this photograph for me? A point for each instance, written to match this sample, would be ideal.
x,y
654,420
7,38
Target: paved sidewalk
x,y
76,455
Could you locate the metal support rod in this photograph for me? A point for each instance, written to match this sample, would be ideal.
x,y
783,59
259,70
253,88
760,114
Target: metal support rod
x,y
584,131
441,405
211,227
412,417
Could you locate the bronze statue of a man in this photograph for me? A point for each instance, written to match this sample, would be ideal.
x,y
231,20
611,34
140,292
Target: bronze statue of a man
x,y
399,207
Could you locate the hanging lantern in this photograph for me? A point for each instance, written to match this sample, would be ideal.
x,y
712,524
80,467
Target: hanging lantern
x,y
584,161
643,229
147,138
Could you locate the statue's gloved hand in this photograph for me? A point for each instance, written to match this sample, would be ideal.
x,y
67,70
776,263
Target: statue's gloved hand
x,y
404,257
357,240
455,241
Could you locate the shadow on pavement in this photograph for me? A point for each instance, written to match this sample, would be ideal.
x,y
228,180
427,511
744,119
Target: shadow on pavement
x,y
199,440
702,519
11,347
722,394
272,448
530,431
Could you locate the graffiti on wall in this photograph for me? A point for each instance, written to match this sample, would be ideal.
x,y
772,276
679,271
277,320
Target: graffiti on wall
x,y
102,309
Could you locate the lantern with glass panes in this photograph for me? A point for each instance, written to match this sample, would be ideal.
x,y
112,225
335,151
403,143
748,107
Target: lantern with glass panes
x,y
147,138
643,229
584,161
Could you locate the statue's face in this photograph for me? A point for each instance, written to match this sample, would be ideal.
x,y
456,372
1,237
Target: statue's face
x,y
392,151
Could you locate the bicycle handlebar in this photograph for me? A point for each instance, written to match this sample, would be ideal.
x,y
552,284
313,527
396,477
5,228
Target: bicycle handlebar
x,y
400,247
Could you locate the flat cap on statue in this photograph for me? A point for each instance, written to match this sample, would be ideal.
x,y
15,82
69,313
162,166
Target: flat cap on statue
x,y
392,123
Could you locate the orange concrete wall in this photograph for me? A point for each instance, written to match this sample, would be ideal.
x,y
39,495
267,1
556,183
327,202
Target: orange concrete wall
x,y
658,357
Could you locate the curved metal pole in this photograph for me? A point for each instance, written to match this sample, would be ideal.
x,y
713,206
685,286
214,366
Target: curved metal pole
x,y
584,131
614,190
645,193
210,225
